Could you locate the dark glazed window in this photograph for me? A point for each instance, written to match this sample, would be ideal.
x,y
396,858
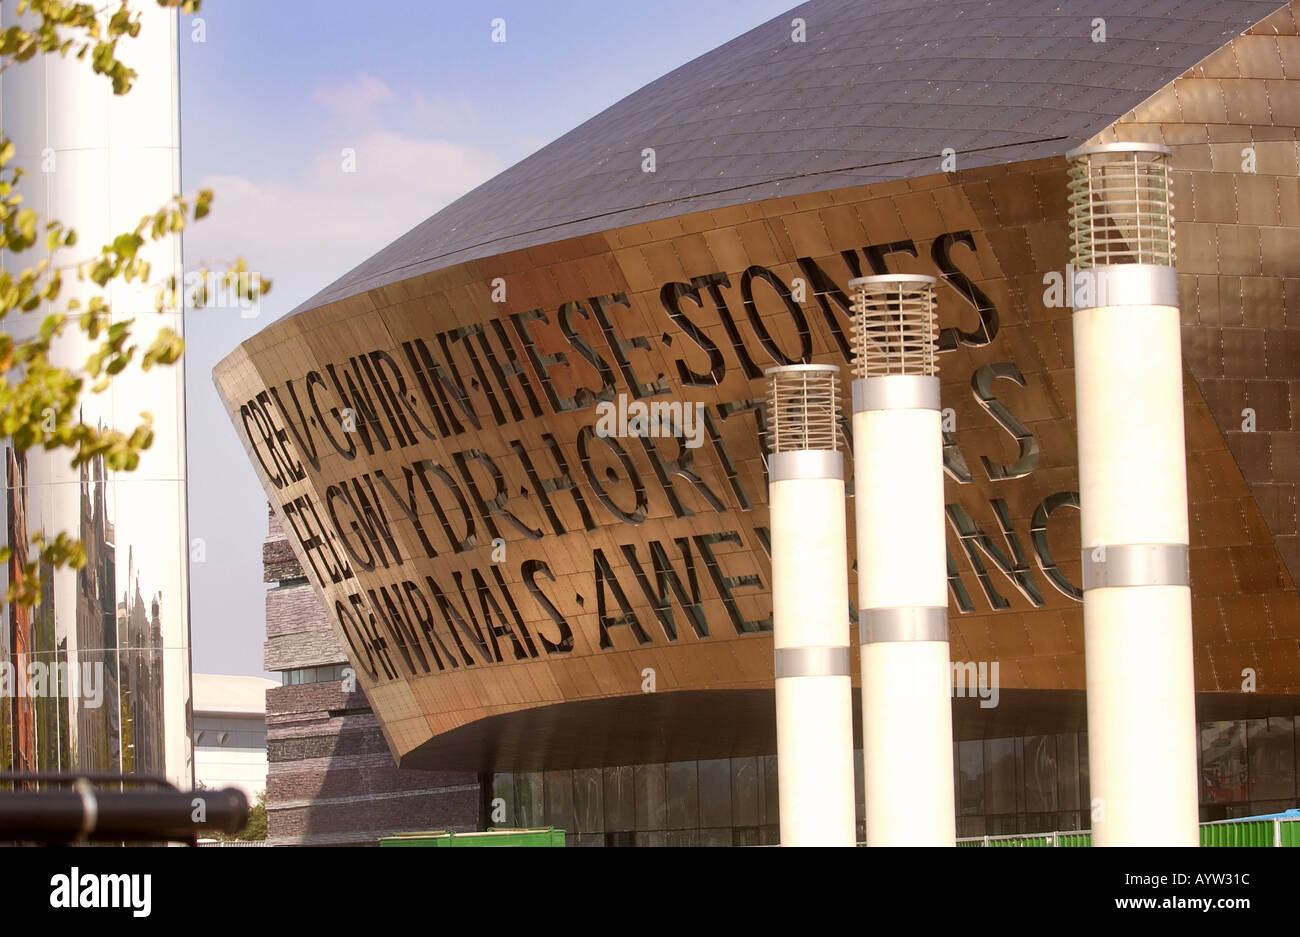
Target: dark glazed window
x,y
1040,774
503,787
1006,825
771,795
1223,762
715,794
528,799
1070,820
620,799
588,801
1085,788
1004,786
970,772
1270,746
744,794
1067,771
859,795
716,836
683,795
651,798
559,800
1000,778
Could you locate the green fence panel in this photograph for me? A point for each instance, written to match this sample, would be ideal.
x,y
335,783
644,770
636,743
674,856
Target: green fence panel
x,y
1237,833
491,838
1245,833
1220,833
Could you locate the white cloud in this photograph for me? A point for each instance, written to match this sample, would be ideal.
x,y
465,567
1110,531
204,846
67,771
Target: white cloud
x,y
441,112
315,226
304,230
355,97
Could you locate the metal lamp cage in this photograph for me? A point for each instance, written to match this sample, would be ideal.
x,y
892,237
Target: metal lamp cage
x,y
803,406
895,326
1121,205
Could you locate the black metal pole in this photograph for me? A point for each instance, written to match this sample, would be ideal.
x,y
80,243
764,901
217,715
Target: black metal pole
x,y
85,813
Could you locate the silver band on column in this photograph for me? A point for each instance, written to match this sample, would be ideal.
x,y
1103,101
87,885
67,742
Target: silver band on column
x,y
896,392
812,661
909,623
1124,285
1119,565
805,463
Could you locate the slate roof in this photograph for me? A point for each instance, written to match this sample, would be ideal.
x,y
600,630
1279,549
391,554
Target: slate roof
x,y
876,92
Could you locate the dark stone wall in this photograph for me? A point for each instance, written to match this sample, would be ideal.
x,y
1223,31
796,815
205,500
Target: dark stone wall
x,y
332,780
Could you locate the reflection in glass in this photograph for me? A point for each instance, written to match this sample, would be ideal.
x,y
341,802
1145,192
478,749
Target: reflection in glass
x,y
744,793
528,799
716,836
651,798
502,786
1270,745
1000,776
559,800
683,795
860,795
620,799
1223,762
1040,773
1005,825
1085,786
970,777
1006,786
97,693
771,799
715,794
1069,820
1067,771
588,801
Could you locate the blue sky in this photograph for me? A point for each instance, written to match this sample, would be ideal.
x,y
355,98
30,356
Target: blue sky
x,y
431,107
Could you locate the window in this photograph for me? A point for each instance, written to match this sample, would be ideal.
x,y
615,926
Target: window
x,y
305,675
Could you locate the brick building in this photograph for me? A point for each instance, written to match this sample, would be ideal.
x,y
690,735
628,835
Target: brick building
x,y
331,779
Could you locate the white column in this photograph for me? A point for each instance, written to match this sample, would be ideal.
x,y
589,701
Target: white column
x,y
810,607
906,706
1133,500
902,597
98,163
